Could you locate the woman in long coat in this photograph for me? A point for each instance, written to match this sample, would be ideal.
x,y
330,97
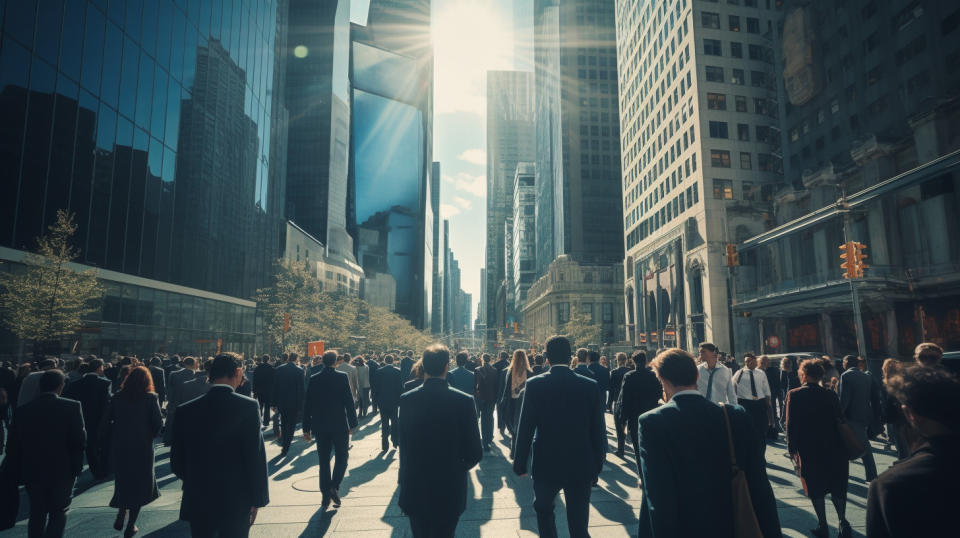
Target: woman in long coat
x,y
812,413
511,398
131,423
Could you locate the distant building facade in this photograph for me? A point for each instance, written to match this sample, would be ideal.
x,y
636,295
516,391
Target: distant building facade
x,y
523,239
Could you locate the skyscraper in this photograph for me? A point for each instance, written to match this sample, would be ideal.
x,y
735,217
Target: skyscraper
x,y
436,310
510,140
699,141
523,237
162,131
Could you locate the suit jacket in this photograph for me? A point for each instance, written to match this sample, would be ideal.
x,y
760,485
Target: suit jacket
x,y
538,369
218,453
917,496
487,381
859,401
29,388
389,386
288,387
616,380
192,390
601,374
159,382
263,381
639,393
93,393
47,439
175,380
412,384
585,371
439,444
329,404
679,474
563,409
406,364
463,380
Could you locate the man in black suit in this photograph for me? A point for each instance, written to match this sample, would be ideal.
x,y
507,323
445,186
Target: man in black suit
x,y
175,382
47,440
373,364
917,496
583,364
159,379
640,392
860,403
218,454
93,392
616,379
263,385
486,393
389,389
684,459
563,410
601,374
329,414
501,365
440,443
406,365
288,396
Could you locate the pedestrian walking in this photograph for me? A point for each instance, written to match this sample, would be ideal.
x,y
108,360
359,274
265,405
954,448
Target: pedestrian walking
x,y
128,427
510,400
262,386
714,379
753,394
641,392
616,380
93,392
814,443
389,389
860,403
330,415
288,397
363,385
487,398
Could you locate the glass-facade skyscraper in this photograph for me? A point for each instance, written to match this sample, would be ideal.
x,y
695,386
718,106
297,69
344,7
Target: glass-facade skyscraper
x,y
159,124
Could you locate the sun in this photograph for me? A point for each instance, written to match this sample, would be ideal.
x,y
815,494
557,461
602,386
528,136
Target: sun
x,y
470,37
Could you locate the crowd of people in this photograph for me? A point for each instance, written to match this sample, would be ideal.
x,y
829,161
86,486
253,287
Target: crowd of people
x,y
698,427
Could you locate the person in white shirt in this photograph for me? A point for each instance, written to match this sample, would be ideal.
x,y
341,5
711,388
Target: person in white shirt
x,y
714,380
753,393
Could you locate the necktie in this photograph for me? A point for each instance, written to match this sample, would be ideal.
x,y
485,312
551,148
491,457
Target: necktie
x,y
753,385
710,383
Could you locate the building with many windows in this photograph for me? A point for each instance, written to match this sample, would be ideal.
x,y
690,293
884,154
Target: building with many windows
x,y
160,126
870,115
523,239
699,137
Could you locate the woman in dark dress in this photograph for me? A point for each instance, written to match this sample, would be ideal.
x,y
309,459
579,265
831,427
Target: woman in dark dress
x,y
131,423
815,445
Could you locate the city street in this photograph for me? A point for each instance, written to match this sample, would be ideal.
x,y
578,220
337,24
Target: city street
x,y
502,503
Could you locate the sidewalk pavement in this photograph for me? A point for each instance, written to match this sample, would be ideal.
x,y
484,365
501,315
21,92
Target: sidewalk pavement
x,y
502,503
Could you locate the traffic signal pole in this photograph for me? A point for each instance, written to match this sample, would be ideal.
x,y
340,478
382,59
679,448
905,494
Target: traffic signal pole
x,y
854,294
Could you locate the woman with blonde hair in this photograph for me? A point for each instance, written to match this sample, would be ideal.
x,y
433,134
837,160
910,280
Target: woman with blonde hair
x,y
517,374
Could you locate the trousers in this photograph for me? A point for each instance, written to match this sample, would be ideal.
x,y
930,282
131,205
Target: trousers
x,y
388,426
577,499
288,424
338,443
48,508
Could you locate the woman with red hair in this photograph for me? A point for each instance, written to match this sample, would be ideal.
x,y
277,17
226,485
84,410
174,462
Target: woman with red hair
x,y
131,423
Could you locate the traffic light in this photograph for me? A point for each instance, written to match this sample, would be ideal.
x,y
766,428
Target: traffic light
x,y
733,259
853,256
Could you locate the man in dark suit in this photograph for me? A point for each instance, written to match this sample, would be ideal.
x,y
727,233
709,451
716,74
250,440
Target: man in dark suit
x,y
159,379
616,379
47,440
439,443
486,394
374,365
917,496
583,364
175,381
196,387
460,378
639,393
330,415
860,404
263,385
93,392
406,365
678,470
501,365
288,396
601,374
218,453
389,389
563,410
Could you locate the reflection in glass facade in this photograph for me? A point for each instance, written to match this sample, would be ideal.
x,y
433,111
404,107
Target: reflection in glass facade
x,y
158,123
389,194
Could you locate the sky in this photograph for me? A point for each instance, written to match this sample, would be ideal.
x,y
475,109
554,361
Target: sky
x,y
470,37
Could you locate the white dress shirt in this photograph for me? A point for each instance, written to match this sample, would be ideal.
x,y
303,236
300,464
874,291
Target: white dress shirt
x,y
723,390
741,380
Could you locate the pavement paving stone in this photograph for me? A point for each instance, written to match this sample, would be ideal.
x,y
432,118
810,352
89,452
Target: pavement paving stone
x,y
499,504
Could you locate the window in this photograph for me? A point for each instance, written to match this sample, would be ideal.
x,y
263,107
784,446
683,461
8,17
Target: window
x,y
722,189
759,105
745,161
714,74
765,162
741,103
563,313
736,49
716,101
758,78
734,23
738,77
608,312
711,47
748,191
719,158
710,20
755,52
743,132
753,25
718,129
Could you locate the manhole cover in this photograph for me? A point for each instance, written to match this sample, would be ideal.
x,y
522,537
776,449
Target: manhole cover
x,y
310,483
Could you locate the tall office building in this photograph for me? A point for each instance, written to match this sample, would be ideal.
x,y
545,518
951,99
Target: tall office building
x,y
523,240
699,142
162,131
523,35
436,310
510,140
578,198
870,108
388,199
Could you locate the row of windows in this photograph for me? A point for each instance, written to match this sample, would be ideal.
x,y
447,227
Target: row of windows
x,y
737,76
714,47
712,20
720,158
680,203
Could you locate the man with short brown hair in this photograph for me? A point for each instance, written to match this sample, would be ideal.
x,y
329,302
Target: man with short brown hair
x,y
928,354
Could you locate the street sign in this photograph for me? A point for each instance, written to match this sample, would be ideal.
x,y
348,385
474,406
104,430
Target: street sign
x,y
773,342
315,349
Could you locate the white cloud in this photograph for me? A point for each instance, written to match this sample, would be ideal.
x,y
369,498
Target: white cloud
x,y
468,183
448,210
474,156
462,202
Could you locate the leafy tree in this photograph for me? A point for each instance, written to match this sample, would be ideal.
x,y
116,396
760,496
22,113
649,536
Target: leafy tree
x,y
49,299
581,329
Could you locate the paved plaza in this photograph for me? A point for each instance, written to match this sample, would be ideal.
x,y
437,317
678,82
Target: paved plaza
x,y
501,505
